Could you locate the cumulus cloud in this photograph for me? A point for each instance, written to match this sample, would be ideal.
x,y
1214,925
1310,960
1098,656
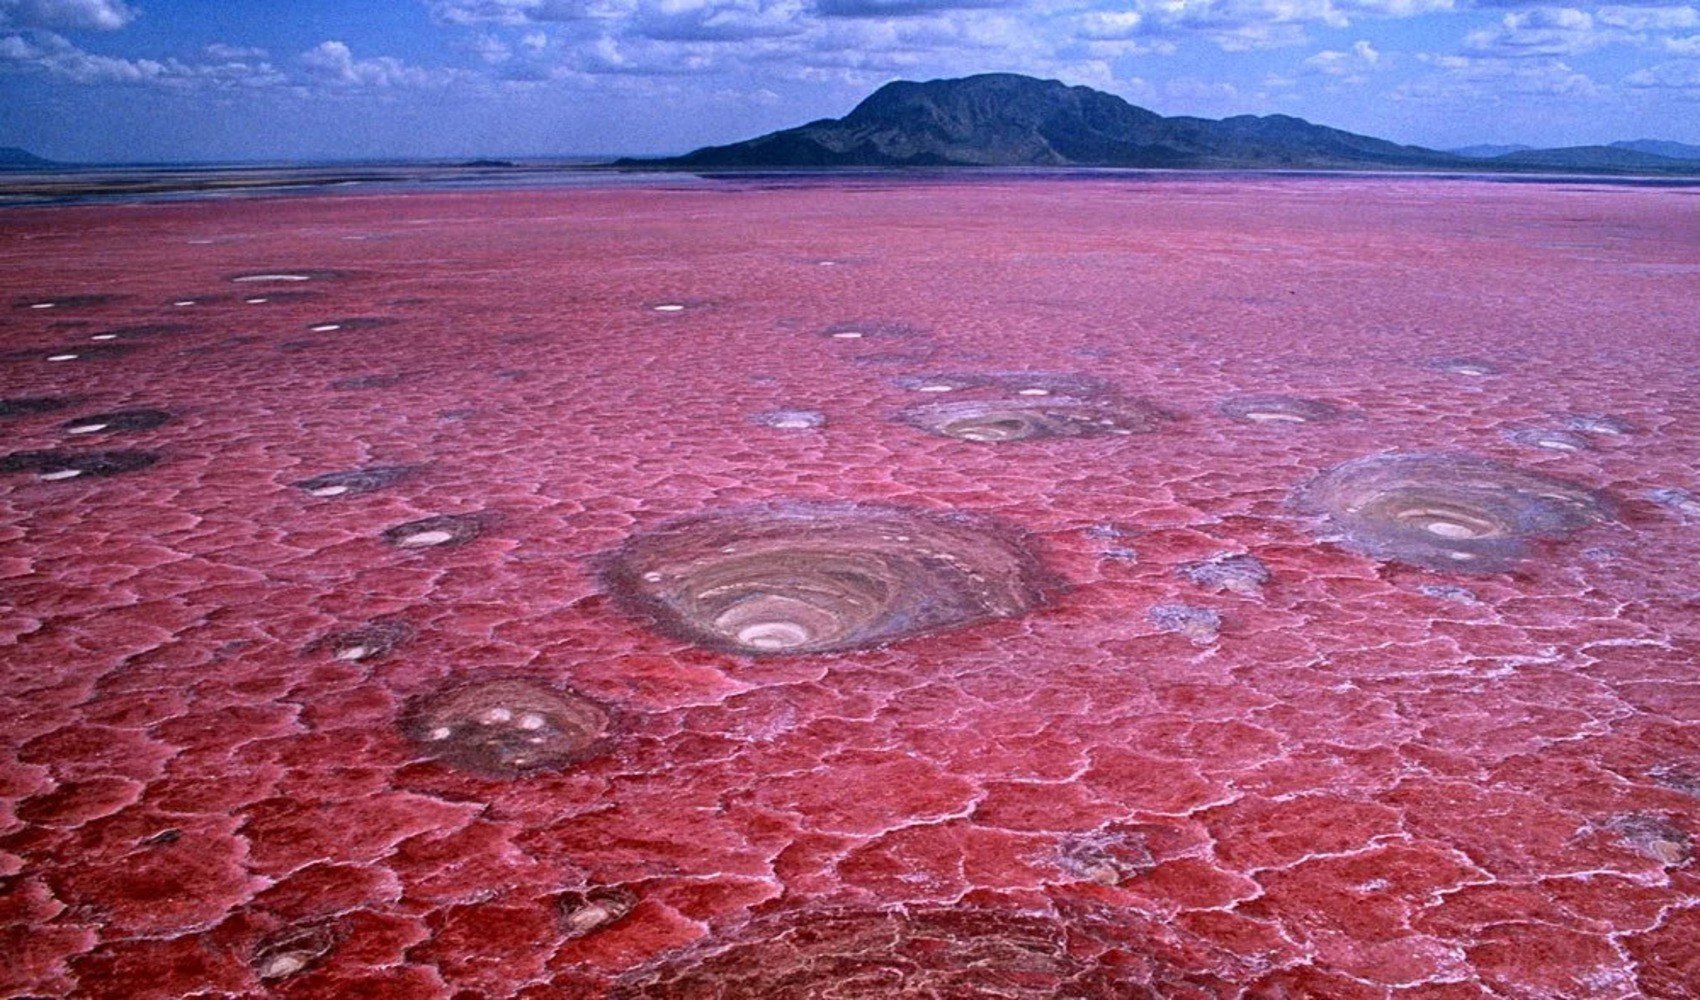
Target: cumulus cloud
x,y
1492,79
1678,76
717,20
55,56
333,62
1351,65
1648,18
66,15
1543,31
900,8
515,12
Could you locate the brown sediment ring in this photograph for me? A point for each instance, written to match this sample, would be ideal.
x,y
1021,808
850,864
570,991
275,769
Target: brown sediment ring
x,y
996,421
507,727
810,577
353,481
1271,408
1449,511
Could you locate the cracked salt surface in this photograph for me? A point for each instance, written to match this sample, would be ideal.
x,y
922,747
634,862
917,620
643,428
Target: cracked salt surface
x,y
978,745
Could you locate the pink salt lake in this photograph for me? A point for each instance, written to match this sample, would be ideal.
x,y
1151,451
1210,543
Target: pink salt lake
x,y
1119,762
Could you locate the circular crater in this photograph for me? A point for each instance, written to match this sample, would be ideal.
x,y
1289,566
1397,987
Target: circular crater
x,y
998,421
876,329
74,352
353,481
1548,440
791,420
117,422
350,324
284,277
445,531
364,382
1449,511
822,577
1270,408
364,642
44,302
59,465
941,952
504,728
1467,367
1597,423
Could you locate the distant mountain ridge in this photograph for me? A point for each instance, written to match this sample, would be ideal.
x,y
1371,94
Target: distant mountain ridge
x,y
13,158
1009,120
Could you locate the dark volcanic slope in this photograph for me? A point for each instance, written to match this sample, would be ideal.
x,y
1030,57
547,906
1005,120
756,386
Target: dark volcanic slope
x,y
13,158
1002,119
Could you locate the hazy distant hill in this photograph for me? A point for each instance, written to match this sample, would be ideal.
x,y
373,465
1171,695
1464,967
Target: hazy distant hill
x,y
1486,151
1002,119
1660,147
1615,157
13,158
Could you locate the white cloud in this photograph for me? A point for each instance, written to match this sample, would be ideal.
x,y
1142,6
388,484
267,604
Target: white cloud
x,y
219,50
1543,31
66,15
55,56
1678,76
1492,79
1648,18
1353,64
333,62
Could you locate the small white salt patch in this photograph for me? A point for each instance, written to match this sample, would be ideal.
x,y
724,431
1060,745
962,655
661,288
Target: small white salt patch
x,y
847,335
1555,444
829,263
1268,416
792,424
441,733
59,474
43,305
104,336
184,302
325,327
61,357
1446,529
1032,392
85,429
353,653
329,491
279,966
274,277
530,721
496,715
428,538
935,388
255,302
652,577
670,308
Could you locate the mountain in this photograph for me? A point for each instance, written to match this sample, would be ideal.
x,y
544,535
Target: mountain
x,y
1613,158
13,158
1006,120
1488,151
1661,147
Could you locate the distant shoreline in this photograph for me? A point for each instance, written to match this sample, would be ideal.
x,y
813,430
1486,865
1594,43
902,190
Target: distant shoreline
x,y
97,185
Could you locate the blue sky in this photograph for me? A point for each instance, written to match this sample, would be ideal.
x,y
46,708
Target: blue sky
x,y
106,80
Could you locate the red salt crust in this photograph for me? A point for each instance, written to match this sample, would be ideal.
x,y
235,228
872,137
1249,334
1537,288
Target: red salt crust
x,y
1377,780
